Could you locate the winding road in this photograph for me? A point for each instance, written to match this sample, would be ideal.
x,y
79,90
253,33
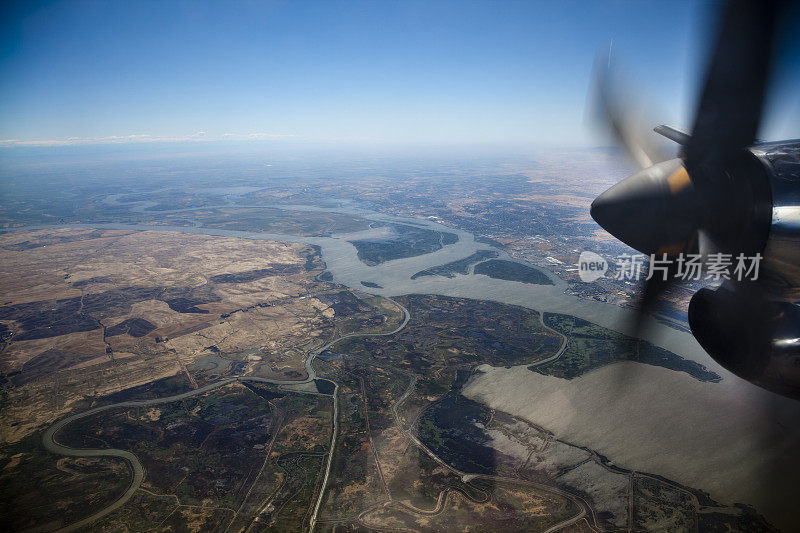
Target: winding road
x,y
52,445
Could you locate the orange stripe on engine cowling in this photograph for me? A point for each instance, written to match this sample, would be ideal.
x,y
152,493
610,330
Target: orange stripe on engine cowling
x,y
678,180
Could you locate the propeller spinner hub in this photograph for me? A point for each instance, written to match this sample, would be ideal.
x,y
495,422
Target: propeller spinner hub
x,y
653,211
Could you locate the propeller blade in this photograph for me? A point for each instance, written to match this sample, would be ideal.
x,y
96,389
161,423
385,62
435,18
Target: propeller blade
x,y
732,98
655,287
649,293
673,134
619,109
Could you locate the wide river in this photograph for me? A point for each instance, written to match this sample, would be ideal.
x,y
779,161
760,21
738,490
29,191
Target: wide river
x,y
731,439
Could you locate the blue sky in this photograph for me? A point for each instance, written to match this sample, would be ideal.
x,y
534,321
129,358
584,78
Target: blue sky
x,y
335,71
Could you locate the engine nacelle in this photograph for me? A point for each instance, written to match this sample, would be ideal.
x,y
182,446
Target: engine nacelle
x,y
781,162
756,338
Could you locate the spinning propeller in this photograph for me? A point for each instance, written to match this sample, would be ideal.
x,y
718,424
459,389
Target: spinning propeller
x,y
715,198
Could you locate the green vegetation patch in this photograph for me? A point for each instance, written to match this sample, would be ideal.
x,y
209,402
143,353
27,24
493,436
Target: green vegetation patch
x,y
293,502
272,220
454,429
354,482
449,270
406,241
447,331
361,313
512,271
198,449
591,346
41,490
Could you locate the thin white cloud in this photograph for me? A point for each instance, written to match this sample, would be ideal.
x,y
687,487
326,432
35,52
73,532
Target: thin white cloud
x,y
200,136
255,136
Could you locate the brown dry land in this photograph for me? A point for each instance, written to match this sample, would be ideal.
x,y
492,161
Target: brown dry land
x,y
86,313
